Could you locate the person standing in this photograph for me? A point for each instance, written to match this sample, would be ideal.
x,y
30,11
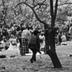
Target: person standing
x,y
60,39
24,40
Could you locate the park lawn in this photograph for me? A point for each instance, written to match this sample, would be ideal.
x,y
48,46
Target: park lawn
x,y
43,63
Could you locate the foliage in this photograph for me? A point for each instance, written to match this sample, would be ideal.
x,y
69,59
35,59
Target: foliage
x,y
22,13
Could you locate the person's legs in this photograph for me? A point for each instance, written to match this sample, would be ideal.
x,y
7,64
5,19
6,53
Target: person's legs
x,y
22,52
20,48
26,46
23,46
33,56
34,51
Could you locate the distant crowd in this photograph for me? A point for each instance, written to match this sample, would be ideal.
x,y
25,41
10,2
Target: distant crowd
x,y
28,38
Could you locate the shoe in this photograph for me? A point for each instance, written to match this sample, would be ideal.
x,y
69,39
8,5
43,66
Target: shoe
x,y
31,60
34,59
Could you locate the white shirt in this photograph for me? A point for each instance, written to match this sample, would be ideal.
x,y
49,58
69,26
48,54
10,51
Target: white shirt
x,y
70,30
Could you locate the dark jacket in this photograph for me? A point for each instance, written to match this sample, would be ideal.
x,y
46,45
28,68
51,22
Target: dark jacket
x,y
35,47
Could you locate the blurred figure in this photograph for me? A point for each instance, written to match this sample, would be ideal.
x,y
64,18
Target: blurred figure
x,y
42,38
63,37
42,41
60,39
34,45
24,40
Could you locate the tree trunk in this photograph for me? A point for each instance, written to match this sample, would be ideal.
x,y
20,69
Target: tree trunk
x,y
49,35
50,47
52,53
52,40
46,41
54,59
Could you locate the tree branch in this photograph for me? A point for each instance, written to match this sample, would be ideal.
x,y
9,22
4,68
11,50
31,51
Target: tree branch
x,y
37,17
56,5
52,14
32,8
40,4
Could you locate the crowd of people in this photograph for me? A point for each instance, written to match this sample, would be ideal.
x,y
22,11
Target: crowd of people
x,y
27,37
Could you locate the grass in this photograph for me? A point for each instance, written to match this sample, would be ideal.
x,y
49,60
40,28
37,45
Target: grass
x,y
43,63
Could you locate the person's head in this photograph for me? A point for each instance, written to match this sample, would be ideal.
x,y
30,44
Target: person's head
x,y
35,32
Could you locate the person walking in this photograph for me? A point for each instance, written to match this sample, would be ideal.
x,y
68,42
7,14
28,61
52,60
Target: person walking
x,y
34,45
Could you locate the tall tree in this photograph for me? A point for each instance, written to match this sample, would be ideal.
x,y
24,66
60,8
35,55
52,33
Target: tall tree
x,y
49,30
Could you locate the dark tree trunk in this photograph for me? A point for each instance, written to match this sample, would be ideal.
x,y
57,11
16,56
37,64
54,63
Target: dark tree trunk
x,y
52,40
54,59
50,47
52,53
46,41
49,34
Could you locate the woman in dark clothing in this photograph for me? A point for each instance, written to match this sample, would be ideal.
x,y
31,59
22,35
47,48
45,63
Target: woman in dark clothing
x,y
35,47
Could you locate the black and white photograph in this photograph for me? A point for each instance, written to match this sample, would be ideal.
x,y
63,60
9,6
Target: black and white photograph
x,y
35,35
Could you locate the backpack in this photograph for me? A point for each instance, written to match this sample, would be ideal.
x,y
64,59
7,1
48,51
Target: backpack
x,y
32,39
